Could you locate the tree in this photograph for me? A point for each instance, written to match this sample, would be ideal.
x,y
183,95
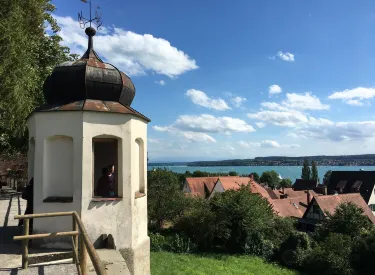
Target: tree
x,y
314,171
233,173
327,176
27,54
285,183
165,198
306,173
271,178
255,176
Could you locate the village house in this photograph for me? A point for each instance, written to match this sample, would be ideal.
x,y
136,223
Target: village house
x,y
362,182
320,206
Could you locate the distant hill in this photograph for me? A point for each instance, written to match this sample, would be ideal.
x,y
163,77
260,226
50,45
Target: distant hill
x,y
344,160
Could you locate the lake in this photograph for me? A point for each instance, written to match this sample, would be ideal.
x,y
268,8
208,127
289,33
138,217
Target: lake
x,y
292,172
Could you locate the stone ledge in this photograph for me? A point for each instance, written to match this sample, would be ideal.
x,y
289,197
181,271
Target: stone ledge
x,y
99,199
139,195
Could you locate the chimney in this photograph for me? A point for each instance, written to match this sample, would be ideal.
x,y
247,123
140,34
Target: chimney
x,y
251,177
325,190
308,196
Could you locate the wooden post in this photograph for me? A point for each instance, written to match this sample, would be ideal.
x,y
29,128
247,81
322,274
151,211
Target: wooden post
x,y
83,256
75,239
25,244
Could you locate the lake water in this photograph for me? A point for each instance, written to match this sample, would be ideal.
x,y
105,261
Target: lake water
x,y
292,172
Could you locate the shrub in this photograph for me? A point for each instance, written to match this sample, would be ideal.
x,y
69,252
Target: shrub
x,y
363,254
157,242
294,249
176,243
257,245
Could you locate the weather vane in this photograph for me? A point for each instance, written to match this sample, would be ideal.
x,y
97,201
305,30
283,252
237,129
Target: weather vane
x,y
97,19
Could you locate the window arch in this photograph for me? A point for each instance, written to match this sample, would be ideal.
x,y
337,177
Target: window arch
x,y
140,165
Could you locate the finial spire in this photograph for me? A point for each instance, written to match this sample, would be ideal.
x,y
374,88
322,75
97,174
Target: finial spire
x,y
97,19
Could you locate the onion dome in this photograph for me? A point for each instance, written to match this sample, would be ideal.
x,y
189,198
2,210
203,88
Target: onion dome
x,y
88,78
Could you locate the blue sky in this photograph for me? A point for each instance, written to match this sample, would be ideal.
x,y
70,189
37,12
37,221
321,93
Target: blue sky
x,y
240,79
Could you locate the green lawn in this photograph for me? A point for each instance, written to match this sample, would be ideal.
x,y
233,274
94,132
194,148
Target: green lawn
x,y
163,263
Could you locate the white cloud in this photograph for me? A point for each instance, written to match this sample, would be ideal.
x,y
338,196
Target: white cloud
x,y
266,144
305,101
273,106
280,118
237,101
161,82
197,137
287,56
153,140
160,128
274,89
211,124
135,54
354,96
200,98
260,124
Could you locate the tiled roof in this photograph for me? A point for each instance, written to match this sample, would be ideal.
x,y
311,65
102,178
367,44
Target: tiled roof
x,y
256,188
301,184
276,194
233,182
366,177
196,185
293,207
329,203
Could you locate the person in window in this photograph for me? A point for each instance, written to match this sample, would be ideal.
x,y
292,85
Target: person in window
x,y
105,186
111,168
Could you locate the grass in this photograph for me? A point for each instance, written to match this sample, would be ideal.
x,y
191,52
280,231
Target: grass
x,y
163,263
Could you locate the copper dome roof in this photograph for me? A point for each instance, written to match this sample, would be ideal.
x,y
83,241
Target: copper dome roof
x,y
88,78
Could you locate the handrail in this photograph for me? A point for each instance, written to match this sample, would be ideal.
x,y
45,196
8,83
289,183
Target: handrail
x,y
85,243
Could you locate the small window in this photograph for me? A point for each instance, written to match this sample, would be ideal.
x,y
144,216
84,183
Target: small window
x,y
105,167
372,207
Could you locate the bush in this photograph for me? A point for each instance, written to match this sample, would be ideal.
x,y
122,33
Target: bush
x,y
363,254
176,243
257,245
294,249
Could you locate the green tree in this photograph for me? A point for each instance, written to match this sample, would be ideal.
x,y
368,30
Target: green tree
x,y
255,176
165,198
306,173
314,171
27,55
327,176
271,178
285,183
233,173
363,253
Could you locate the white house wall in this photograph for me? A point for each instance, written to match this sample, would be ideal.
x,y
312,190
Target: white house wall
x,y
186,188
218,188
372,199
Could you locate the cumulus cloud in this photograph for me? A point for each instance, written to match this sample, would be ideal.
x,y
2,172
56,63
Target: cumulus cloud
x,y
274,89
287,56
280,118
274,106
211,124
305,101
189,135
354,96
135,54
200,98
260,124
160,82
266,144
237,101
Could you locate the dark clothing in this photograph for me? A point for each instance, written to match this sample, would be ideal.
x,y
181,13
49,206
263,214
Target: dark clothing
x,y
112,182
28,195
104,186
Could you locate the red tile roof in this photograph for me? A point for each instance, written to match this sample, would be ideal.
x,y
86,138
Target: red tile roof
x,y
276,194
293,207
256,188
329,203
233,182
196,185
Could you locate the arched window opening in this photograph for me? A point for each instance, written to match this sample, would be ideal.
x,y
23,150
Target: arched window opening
x,y
140,165
106,170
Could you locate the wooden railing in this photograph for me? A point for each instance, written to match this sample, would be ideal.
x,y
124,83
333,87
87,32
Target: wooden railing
x,y
85,245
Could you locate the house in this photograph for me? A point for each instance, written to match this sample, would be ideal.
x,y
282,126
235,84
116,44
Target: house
x,y
301,184
288,193
320,206
294,207
201,186
362,182
227,183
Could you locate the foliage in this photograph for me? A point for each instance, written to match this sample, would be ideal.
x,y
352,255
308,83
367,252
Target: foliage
x,y
331,256
271,178
255,176
327,176
363,254
314,171
294,249
176,243
163,263
233,173
165,199
306,173
285,183
27,56
347,220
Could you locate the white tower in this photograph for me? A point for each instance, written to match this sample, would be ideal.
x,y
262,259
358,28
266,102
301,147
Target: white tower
x,y
86,125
